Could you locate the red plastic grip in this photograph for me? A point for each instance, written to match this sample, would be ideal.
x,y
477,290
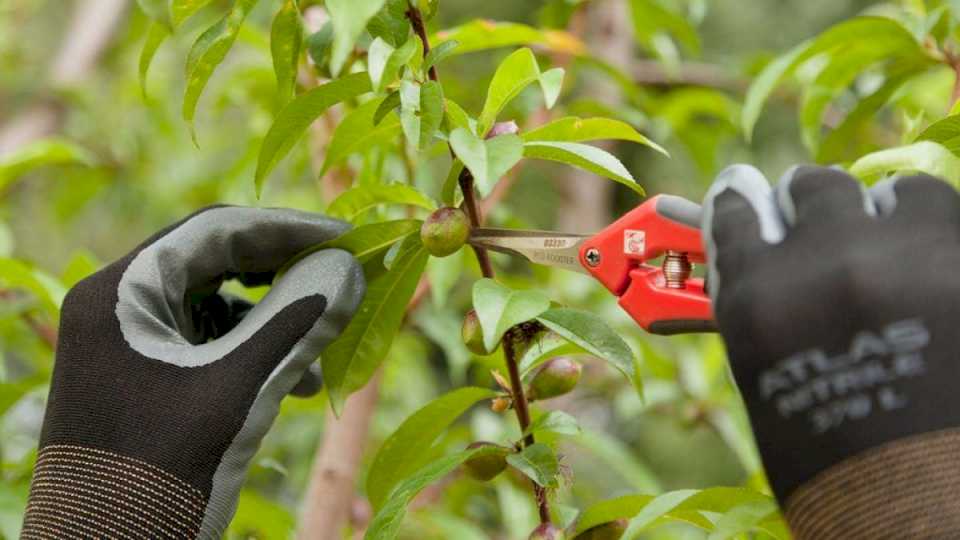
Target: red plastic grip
x,y
616,257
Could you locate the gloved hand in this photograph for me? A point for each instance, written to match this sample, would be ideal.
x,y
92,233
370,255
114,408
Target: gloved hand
x,y
839,309
162,388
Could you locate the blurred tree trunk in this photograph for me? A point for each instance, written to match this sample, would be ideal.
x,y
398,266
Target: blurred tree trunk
x,y
89,33
329,502
586,205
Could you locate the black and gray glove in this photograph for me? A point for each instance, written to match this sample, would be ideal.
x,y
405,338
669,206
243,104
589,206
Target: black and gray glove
x,y
163,388
840,310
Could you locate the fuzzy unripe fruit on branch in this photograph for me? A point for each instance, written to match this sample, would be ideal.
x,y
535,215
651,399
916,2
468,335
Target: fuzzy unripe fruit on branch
x,y
555,378
611,530
487,464
472,334
445,231
547,531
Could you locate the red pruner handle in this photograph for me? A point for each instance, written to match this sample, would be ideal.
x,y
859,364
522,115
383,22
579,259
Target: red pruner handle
x,y
661,303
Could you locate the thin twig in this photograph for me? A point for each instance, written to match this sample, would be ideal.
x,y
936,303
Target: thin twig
x,y
486,267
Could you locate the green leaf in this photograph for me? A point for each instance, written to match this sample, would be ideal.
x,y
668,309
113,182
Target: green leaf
x,y
42,153
881,32
259,517
744,519
387,106
156,35
158,10
386,523
847,140
360,198
349,18
364,242
548,345
652,20
393,63
626,507
15,274
484,34
458,118
349,362
421,111
439,53
583,156
588,331
318,44
358,132
406,449
431,112
945,132
515,73
716,500
538,462
500,308
208,52
82,263
574,129
286,40
923,156
555,422
182,10
377,55
390,23
488,160
296,117
551,82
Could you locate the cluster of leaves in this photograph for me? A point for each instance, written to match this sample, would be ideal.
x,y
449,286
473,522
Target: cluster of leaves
x,y
405,142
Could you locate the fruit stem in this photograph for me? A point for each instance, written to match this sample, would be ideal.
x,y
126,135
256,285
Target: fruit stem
x,y
514,335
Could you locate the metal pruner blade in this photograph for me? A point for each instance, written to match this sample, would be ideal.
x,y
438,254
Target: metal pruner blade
x,y
549,248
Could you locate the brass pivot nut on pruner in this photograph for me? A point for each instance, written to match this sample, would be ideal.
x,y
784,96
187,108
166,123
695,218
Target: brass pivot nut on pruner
x,y
676,269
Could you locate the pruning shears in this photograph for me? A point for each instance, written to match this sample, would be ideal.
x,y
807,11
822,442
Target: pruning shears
x,y
662,299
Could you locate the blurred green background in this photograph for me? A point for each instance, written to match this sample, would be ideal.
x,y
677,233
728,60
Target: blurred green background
x,y
68,69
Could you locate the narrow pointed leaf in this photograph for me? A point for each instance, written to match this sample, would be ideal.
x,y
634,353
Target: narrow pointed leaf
x,y
364,242
349,18
386,523
551,82
945,132
484,34
488,160
387,106
294,119
395,61
574,129
410,111
500,308
923,156
286,41
515,73
358,199
377,55
588,331
626,507
439,53
584,156
350,361
431,112
156,35
359,131
208,52
406,450
158,10
555,422
539,463
881,32
181,10
44,152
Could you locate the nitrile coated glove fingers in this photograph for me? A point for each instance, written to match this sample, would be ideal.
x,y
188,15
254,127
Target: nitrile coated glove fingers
x,y
839,309
163,388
